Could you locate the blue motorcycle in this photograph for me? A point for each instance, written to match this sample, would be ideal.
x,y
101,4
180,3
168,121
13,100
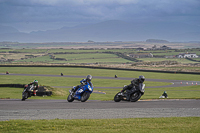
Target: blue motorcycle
x,y
82,94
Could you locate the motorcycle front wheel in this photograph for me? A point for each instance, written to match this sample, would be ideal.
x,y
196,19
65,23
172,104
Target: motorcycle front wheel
x,y
85,96
135,96
24,96
70,98
117,98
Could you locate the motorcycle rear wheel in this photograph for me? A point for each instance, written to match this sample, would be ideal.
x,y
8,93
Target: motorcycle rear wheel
x,y
117,98
85,96
70,98
135,96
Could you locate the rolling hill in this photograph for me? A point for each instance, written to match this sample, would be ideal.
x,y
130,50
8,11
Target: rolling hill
x,y
113,30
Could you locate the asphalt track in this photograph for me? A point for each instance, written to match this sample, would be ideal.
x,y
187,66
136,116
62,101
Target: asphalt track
x,y
61,109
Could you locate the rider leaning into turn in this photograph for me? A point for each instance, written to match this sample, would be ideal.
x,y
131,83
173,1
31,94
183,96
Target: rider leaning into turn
x,y
134,83
84,82
35,84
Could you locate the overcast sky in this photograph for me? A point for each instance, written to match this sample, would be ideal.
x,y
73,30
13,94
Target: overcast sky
x,y
33,15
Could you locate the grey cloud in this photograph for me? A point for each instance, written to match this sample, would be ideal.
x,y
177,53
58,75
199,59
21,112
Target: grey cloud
x,y
83,11
104,7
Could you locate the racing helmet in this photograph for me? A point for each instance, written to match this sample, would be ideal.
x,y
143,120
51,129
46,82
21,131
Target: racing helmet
x,y
89,77
141,78
35,82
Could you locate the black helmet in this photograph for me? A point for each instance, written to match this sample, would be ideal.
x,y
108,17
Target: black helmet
x,y
89,77
141,78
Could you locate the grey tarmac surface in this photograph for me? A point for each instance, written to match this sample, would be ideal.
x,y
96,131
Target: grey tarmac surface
x,y
61,109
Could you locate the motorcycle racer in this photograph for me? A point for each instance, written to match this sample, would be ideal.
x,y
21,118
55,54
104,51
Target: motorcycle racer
x,y
35,85
83,82
134,83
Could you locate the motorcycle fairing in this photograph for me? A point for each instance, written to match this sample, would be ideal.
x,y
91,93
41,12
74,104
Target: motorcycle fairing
x,y
141,87
134,89
79,92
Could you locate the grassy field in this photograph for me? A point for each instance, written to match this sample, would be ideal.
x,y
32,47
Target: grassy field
x,y
116,57
137,125
92,56
180,60
17,56
85,56
128,125
188,92
61,93
98,72
70,58
38,59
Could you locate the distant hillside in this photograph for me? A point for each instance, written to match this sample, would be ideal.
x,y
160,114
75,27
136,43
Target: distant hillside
x,y
7,29
156,41
113,30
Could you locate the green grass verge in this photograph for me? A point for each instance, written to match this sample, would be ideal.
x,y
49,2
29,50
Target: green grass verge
x,y
61,93
68,81
187,92
128,125
98,72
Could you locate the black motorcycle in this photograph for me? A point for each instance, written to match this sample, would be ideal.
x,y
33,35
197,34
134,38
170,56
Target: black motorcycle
x,y
132,95
28,92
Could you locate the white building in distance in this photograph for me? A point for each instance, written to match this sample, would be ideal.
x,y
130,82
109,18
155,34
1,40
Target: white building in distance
x,y
187,55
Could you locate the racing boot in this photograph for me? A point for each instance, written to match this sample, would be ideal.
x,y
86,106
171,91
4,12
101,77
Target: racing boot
x,y
34,92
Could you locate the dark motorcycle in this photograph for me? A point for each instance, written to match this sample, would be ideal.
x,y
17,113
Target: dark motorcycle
x,y
82,94
132,95
28,92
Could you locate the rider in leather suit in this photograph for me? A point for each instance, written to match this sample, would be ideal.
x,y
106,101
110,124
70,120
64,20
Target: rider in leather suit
x,y
83,82
134,83
35,84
